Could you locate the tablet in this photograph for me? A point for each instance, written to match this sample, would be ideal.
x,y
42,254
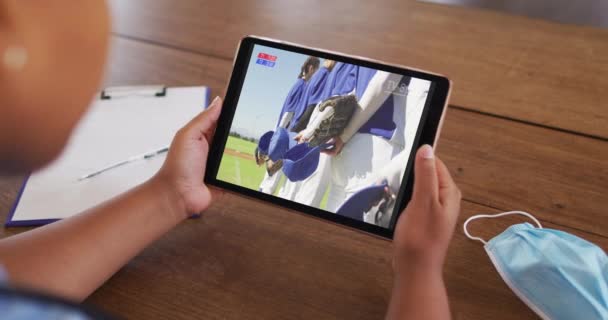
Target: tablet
x,y
324,133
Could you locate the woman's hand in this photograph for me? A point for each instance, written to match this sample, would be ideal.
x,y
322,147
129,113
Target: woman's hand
x,y
422,236
184,169
424,230
73,257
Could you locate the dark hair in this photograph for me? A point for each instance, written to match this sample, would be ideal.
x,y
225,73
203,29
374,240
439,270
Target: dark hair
x,y
310,61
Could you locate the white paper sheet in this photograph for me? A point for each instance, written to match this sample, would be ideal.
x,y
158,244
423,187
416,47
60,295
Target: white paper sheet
x,y
112,131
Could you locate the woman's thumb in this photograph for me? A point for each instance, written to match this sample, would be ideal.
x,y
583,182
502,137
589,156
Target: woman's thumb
x,y
205,121
425,174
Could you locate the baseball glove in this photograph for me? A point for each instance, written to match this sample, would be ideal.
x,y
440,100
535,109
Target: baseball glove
x,y
332,124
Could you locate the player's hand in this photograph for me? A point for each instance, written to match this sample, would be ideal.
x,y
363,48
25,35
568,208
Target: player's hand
x,y
184,169
424,229
387,188
299,137
337,143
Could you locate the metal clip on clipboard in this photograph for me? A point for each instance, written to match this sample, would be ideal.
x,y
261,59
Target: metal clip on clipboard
x,y
127,91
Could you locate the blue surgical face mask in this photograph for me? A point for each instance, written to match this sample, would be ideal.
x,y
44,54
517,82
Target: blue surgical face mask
x,y
558,275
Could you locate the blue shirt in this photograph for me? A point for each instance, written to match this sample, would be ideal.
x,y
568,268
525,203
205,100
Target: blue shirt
x,y
16,308
293,98
341,80
313,93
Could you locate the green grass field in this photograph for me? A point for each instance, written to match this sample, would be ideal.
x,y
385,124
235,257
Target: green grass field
x,y
240,145
240,171
245,172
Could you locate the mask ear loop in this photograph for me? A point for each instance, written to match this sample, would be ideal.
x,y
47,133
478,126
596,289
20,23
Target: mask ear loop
x,y
475,217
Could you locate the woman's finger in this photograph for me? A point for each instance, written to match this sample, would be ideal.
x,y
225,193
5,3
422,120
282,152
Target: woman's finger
x,y
448,191
205,121
425,175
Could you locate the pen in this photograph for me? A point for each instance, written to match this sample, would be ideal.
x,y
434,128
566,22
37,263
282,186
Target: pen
x,y
129,160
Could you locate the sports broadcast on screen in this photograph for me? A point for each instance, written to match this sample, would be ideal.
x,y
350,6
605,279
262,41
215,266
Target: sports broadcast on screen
x,y
324,133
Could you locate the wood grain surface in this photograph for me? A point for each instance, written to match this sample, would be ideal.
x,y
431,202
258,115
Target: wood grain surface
x,y
584,12
528,131
516,67
244,261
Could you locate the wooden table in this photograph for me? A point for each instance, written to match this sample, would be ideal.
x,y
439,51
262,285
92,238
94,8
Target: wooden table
x,y
527,129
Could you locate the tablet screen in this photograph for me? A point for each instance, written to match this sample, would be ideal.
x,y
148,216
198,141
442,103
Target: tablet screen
x,y
324,133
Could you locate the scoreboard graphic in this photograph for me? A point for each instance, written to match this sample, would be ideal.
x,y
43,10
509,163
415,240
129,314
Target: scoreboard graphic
x,y
266,59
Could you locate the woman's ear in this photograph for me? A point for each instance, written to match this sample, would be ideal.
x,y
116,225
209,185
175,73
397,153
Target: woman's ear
x,y
13,60
13,53
14,57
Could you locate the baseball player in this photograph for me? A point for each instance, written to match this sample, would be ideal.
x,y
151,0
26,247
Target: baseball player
x,y
315,92
351,109
392,173
370,138
377,130
339,80
295,94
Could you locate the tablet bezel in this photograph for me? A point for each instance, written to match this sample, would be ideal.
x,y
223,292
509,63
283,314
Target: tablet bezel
x,y
427,133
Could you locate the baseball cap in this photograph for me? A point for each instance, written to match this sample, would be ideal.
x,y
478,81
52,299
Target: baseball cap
x,y
300,162
360,202
281,141
264,142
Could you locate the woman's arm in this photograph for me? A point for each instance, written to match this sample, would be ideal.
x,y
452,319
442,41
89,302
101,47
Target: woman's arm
x,y
422,237
75,256
419,293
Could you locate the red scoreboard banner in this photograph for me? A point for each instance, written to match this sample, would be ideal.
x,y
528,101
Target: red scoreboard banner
x,y
266,59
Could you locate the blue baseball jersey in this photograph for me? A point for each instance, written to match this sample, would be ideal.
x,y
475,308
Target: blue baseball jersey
x,y
345,79
324,84
313,93
293,98
341,80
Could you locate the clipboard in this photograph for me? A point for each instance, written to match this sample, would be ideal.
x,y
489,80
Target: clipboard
x,y
121,123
